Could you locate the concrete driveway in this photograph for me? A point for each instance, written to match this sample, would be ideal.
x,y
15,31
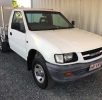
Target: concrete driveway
x,y
16,83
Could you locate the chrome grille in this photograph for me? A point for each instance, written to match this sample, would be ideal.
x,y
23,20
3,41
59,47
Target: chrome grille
x,y
87,55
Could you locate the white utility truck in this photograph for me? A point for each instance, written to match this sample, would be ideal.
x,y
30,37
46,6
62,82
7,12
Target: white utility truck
x,y
55,51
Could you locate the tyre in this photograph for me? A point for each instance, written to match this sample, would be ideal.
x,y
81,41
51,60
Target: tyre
x,y
40,73
0,44
4,46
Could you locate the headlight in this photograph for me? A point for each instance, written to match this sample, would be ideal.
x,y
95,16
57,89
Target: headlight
x,y
66,58
59,58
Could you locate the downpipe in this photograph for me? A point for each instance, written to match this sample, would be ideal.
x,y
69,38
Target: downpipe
x,y
2,30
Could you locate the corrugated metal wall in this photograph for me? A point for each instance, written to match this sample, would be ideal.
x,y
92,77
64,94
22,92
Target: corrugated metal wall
x,y
6,3
91,15
86,13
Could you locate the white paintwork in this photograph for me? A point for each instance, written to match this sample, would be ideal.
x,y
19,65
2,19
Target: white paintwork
x,y
71,40
52,42
18,39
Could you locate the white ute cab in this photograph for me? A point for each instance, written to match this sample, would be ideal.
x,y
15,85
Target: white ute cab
x,y
55,51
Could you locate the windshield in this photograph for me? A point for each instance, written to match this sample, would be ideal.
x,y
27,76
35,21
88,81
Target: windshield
x,y
46,20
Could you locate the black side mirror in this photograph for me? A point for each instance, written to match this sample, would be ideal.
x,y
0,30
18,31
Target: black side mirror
x,y
73,23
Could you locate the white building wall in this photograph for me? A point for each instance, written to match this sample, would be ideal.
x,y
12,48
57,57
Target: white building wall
x,y
86,13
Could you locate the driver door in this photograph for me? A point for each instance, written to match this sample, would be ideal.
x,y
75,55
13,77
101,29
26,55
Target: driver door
x,y
17,34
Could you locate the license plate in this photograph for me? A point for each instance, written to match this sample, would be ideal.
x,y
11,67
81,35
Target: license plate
x,y
95,66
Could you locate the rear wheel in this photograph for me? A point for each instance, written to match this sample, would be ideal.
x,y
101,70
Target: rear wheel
x,y
0,44
4,46
40,73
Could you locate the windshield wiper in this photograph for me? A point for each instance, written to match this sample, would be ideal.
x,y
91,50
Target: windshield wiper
x,y
62,28
57,28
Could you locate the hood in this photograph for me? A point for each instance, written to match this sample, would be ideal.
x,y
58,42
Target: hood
x,y
71,40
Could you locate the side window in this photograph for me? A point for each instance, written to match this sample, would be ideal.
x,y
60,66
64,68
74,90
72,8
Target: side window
x,y
17,22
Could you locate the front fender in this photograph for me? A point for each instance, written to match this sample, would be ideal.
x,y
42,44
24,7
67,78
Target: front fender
x,y
46,49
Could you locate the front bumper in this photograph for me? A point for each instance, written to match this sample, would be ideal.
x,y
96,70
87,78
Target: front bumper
x,y
79,70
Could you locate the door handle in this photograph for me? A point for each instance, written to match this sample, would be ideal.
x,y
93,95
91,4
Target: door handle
x,y
10,33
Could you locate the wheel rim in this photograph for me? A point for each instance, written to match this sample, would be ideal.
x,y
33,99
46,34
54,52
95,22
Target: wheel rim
x,y
39,73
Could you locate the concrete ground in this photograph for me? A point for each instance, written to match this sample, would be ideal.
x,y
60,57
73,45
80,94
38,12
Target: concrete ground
x,y
16,83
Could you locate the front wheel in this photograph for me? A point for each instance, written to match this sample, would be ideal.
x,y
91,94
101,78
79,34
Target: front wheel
x,y
40,73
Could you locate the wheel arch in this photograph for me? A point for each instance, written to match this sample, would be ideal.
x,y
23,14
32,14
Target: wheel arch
x,y
30,57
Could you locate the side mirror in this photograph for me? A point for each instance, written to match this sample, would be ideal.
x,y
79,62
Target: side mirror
x,y
73,23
